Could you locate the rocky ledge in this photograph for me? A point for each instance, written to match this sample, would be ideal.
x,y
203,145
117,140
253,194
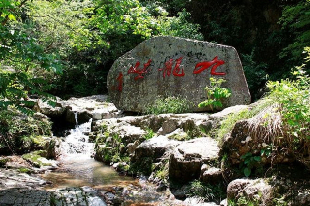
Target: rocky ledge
x,y
183,156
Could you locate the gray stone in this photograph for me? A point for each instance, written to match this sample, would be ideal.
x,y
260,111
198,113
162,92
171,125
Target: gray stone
x,y
198,202
53,148
155,147
223,202
211,175
152,151
80,110
186,159
167,66
258,191
227,111
48,110
24,197
10,178
124,128
70,196
131,147
168,126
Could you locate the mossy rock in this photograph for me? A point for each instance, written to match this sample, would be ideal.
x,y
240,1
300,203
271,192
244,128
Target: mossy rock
x,y
179,136
39,141
3,161
25,170
37,158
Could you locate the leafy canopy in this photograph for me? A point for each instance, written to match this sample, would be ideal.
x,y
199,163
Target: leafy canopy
x,y
21,59
296,19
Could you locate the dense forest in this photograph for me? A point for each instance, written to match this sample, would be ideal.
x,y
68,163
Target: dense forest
x,y
65,48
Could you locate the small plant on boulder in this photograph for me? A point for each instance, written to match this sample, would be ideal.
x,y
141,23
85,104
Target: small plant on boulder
x,y
215,94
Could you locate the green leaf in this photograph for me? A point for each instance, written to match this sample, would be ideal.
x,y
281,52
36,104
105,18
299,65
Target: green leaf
x,y
12,17
257,158
247,172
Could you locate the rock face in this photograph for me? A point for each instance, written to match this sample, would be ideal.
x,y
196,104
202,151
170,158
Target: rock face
x,y
251,136
169,66
257,191
79,110
187,159
153,151
70,196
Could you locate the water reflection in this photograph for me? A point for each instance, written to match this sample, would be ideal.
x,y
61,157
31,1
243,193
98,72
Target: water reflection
x,y
79,169
86,172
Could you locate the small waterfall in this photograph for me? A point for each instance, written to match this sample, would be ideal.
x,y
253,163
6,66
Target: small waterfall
x,y
76,143
78,168
76,118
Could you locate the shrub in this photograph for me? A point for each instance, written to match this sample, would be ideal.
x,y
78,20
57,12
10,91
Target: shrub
x,y
20,132
174,105
149,134
215,94
207,192
293,98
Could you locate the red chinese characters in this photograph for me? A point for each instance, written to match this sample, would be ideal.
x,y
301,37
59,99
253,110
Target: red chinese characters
x,y
120,81
176,70
139,71
172,66
201,66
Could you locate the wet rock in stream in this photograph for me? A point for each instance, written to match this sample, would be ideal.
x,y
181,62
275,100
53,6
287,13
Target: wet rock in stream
x,y
84,196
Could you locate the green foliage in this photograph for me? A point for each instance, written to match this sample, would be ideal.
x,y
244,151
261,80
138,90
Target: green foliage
x,y
112,149
161,170
167,105
243,201
198,189
293,97
62,28
19,132
135,20
22,59
215,94
149,134
207,192
280,201
249,161
296,19
25,170
229,122
35,158
180,137
144,166
255,73
3,161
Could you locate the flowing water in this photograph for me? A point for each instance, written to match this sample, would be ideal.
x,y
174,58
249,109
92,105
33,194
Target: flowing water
x,y
79,169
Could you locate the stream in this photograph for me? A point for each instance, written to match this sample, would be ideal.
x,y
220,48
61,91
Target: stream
x,y
79,169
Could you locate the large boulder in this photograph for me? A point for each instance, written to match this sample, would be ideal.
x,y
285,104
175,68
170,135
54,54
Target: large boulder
x,y
187,159
168,66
